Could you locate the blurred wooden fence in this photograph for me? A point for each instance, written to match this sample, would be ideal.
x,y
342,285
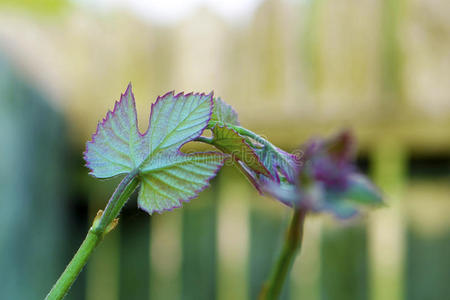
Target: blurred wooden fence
x,y
34,176
294,70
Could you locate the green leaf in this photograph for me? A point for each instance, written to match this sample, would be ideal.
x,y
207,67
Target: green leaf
x,y
229,141
168,176
224,113
176,177
259,160
175,120
282,165
342,209
362,191
116,147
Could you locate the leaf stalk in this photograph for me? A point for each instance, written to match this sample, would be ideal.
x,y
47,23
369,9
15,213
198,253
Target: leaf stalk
x,y
244,132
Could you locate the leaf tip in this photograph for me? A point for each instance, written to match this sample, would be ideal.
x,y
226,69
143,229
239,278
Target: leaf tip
x,y
129,88
171,93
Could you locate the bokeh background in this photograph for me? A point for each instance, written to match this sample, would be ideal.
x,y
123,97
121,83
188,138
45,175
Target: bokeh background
x,y
292,69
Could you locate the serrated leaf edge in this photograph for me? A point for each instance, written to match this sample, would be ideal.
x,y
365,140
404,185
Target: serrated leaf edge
x,y
101,123
196,192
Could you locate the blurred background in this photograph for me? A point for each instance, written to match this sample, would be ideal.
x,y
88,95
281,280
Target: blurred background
x,y
292,69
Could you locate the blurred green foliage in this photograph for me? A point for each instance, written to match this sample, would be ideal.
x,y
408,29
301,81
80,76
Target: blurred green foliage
x,y
43,7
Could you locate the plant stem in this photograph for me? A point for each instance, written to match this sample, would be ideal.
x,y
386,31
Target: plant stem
x,y
204,140
75,266
102,224
117,200
242,131
272,289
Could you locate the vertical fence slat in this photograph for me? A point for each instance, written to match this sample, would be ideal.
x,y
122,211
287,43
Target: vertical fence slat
x,y
391,57
386,225
428,264
344,263
199,246
233,235
134,264
387,235
305,278
32,176
165,255
267,228
428,237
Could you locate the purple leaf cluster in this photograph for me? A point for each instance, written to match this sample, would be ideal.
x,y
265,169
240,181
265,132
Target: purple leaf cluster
x,y
328,180
321,177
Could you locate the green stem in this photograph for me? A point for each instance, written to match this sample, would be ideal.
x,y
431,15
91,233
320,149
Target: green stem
x,y
75,266
272,289
251,134
204,140
100,227
242,131
118,199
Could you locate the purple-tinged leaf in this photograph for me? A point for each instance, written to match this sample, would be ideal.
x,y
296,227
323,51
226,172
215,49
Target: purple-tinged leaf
x,y
282,167
281,164
168,176
229,141
361,190
342,209
327,179
177,177
259,160
116,146
224,113
176,120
